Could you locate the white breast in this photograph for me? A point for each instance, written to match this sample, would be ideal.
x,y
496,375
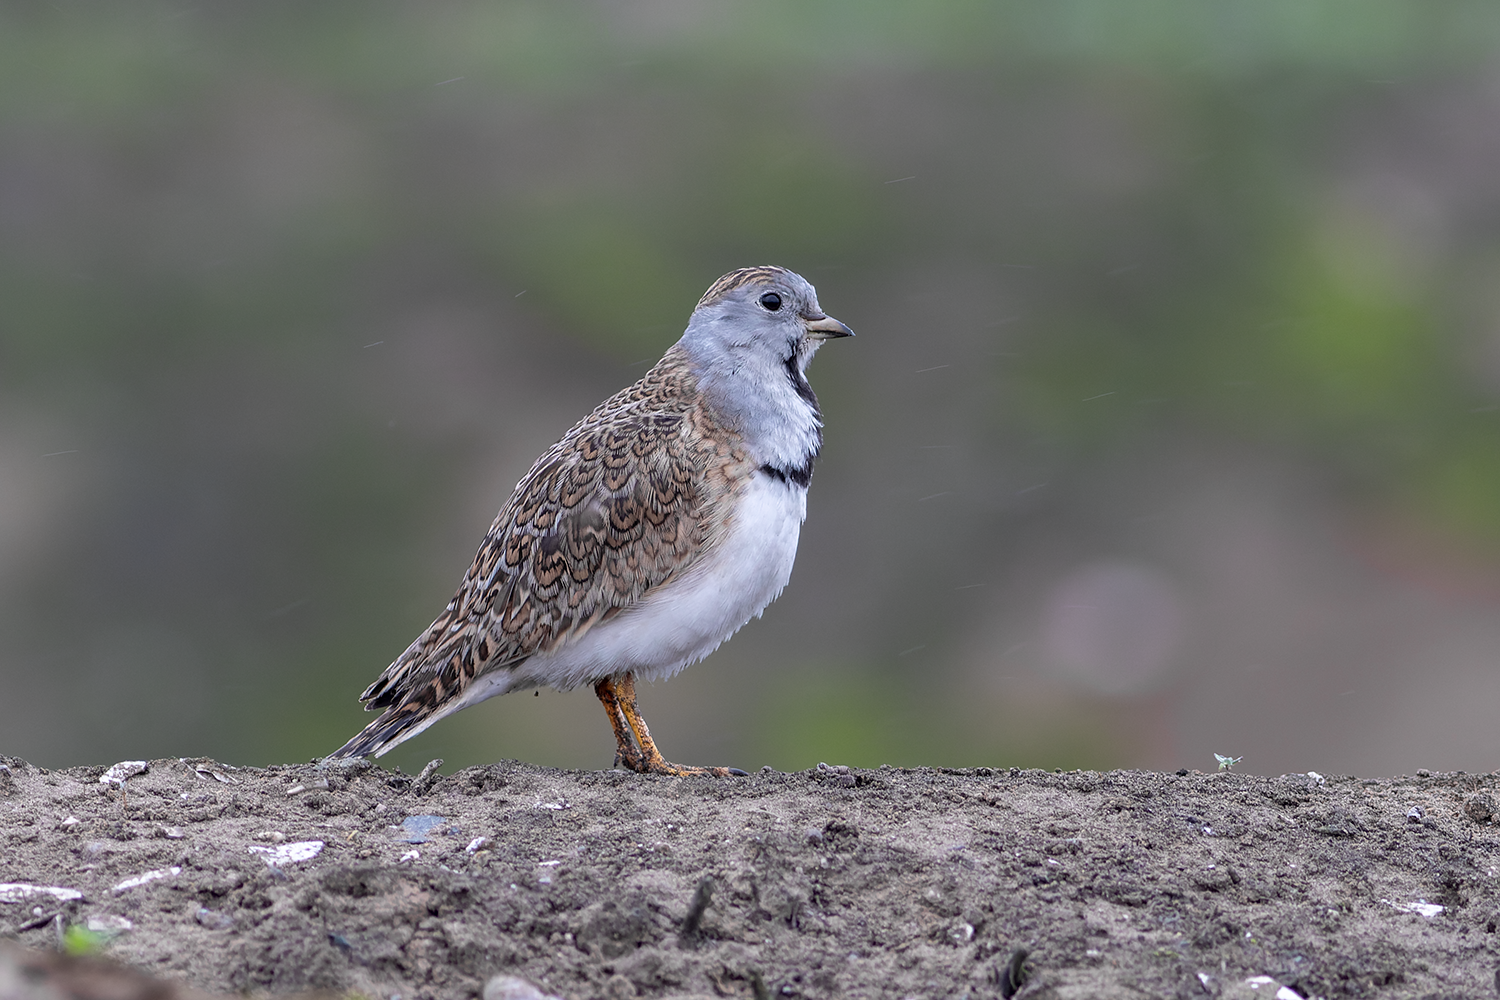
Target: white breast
x,y
686,620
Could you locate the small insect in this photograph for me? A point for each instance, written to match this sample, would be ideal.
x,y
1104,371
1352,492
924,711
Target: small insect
x,y
1227,763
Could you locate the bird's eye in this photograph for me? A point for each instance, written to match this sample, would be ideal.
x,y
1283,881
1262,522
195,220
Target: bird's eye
x,y
771,301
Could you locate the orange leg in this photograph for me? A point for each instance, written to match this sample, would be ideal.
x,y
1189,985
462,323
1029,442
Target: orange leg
x,y
634,746
625,752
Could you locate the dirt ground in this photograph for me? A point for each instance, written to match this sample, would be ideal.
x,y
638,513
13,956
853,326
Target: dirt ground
x,y
825,883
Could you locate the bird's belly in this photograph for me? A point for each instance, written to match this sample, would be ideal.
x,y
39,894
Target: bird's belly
x,y
688,618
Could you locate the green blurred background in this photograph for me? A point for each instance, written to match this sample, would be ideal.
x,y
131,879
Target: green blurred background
x,y
1172,426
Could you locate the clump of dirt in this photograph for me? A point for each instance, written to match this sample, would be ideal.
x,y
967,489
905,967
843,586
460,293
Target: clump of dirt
x,y
825,883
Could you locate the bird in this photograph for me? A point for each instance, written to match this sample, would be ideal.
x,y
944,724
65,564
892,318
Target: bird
x,y
651,532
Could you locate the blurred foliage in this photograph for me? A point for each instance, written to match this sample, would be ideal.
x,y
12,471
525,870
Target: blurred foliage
x,y
79,940
206,208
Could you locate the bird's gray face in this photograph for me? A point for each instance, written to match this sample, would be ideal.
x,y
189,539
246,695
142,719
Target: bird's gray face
x,y
749,342
770,321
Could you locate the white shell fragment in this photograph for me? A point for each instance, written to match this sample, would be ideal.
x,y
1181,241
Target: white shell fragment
x,y
109,924
20,892
289,854
123,772
206,769
301,786
145,877
1257,982
1421,906
476,845
514,988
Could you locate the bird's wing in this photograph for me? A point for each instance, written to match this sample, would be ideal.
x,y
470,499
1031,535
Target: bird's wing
x,y
625,502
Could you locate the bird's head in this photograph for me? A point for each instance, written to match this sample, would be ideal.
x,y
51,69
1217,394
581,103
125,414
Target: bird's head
x,y
758,320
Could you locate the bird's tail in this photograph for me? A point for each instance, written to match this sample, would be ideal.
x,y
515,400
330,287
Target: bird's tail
x,y
414,700
395,725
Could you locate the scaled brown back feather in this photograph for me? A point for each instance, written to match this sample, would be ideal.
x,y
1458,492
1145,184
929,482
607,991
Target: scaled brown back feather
x,y
630,497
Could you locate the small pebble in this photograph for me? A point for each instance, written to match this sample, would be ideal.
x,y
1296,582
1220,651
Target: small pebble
x,y
213,919
1479,807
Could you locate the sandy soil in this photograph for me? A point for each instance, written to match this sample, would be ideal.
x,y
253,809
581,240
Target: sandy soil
x,y
825,883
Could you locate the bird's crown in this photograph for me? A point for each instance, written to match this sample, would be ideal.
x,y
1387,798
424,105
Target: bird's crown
x,y
739,278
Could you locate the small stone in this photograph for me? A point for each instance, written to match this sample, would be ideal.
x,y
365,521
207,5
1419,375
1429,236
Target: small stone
x,y
617,987
416,828
1480,807
213,919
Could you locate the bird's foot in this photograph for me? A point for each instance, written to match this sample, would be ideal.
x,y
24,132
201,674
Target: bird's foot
x,y
630,759
634,747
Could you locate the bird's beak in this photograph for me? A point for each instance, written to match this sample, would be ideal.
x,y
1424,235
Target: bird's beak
x,y
821,327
